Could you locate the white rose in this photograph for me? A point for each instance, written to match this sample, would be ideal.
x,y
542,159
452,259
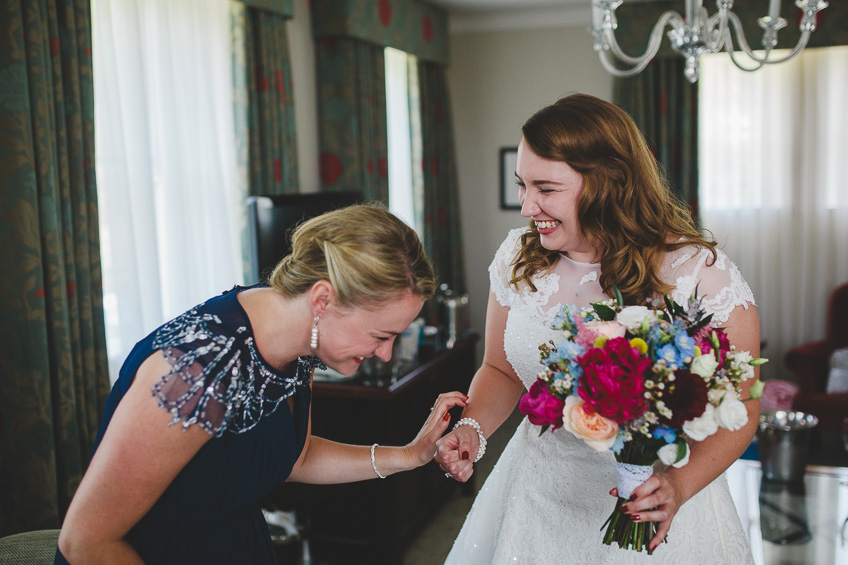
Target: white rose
x,y
632,316
731,413
668,455
704,365
740,361
702,427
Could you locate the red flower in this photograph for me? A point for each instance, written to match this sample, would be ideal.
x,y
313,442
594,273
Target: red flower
x,y
703,339
541,407
687,399
613,380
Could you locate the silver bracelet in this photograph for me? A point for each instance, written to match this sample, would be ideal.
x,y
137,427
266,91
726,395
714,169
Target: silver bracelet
x,y
374,463
476,425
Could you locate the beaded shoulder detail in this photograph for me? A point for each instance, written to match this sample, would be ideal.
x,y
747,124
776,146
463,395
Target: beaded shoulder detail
x,y
217,378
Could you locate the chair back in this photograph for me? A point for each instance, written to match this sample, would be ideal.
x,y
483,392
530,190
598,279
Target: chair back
x,y
29,548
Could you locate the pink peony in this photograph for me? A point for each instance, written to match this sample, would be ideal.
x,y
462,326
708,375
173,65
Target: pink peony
x,y
607,329
704,342
541,407
613,380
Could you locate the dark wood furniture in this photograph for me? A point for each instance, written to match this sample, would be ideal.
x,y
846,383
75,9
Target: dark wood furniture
x,y
374,521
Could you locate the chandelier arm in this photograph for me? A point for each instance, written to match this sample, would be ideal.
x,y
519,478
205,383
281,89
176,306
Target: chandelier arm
x,y
740,37
607,62
654,41
716,45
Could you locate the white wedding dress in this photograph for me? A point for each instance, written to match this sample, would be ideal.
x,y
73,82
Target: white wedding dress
x,y
548,496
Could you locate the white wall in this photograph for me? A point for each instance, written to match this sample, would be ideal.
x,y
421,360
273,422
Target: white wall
x,y
497,80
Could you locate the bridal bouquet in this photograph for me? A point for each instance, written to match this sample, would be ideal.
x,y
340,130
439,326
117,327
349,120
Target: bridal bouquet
x,y
639,381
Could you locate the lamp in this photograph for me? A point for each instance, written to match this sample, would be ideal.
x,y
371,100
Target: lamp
x,y
699,33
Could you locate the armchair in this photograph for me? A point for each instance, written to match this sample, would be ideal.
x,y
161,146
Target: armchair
x,y
811,364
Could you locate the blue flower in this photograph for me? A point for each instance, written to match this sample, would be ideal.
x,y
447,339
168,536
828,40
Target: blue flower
x,y
684,343
620,440
666,434
670,355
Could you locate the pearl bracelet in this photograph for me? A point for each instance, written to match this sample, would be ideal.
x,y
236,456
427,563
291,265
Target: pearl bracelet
x,y
374,463
476,425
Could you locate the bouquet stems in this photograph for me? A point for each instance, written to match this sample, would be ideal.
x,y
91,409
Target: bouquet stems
x,y
627,533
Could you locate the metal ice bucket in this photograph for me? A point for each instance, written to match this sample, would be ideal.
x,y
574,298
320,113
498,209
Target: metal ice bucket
x,y
783,440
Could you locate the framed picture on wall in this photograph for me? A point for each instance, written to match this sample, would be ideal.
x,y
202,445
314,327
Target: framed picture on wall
x,y
509,190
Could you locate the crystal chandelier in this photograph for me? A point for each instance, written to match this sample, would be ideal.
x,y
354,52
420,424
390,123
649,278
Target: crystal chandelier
x,y
698,33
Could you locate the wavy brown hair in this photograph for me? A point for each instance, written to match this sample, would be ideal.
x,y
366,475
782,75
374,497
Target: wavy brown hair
x,y
626,210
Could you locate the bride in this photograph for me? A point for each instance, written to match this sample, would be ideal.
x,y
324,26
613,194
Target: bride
x,y
601,217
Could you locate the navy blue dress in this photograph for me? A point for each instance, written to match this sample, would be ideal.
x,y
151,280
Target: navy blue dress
x,y
219,381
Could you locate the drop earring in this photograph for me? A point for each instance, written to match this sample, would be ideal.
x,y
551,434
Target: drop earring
x,y
313,342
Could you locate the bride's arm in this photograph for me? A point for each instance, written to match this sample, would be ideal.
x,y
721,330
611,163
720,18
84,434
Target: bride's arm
x,y
666,492
493,394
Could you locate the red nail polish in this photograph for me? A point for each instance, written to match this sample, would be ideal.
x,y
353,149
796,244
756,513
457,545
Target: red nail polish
x,y
632,497
465,455
634,517
447,416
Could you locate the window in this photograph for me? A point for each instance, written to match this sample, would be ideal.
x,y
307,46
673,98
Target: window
x,y
168,186
404,137
771,149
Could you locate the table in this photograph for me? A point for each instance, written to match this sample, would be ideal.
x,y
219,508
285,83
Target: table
x,y
373,521
801,524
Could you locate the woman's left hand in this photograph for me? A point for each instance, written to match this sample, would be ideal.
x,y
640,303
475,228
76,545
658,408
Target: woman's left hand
x,y
655,500
423,447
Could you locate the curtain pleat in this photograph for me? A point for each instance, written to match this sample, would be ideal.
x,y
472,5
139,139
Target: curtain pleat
x,y
53,366
353,131
271,122
442,233
664,106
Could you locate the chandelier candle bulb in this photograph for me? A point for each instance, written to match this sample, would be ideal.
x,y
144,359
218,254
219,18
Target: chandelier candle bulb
x,y
774,9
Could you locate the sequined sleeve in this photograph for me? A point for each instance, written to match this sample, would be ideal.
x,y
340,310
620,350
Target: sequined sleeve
x,y
217,378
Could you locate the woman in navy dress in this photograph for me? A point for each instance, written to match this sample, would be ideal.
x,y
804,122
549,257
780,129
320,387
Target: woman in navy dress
x,y
212,410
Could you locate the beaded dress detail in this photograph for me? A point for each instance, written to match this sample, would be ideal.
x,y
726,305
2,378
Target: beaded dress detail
x,y
217,382
210,512
548,496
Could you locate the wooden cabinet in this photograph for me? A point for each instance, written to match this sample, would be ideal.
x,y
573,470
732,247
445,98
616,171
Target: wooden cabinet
x,y
374,521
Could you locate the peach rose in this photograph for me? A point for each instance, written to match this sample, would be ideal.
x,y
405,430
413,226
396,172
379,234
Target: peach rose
x,y
598,432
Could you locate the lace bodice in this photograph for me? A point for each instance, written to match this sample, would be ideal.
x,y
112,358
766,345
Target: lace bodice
x,y
532,313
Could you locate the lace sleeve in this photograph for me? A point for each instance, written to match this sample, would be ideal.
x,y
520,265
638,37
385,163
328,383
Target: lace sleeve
x,y
720,283
499,269
218,381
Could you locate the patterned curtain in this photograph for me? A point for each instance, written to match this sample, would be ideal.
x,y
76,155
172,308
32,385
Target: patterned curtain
x,y
442,234
353,132
271,123
665,107
53,367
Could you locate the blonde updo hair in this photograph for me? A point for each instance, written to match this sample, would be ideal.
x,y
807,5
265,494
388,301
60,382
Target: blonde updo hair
x,y
367,254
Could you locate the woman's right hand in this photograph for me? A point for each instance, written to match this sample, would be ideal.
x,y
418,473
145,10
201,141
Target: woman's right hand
x,y
456,452
424,445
